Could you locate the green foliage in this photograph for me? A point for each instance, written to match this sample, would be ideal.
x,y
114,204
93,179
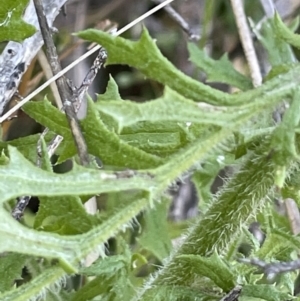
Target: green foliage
x,y
285,33
112,274
109,147
218,71
145,56
279,52
25,145
62,215
12,27
190,128
283,140
11,265
212,267
263,292
155,229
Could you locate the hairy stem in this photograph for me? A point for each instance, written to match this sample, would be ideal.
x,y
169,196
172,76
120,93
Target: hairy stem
x,y
222,223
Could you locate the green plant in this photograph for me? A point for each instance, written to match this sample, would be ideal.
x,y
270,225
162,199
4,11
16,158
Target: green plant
x,y
189,125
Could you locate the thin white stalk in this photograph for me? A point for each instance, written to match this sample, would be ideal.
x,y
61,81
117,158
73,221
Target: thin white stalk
x,y
247,42
84,56
48,74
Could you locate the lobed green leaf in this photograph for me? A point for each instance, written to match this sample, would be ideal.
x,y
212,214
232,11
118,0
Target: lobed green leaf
x,y
101,142
81,181
145,56
213,267
155,237
285,33
218,71
266,292
12,26
170,107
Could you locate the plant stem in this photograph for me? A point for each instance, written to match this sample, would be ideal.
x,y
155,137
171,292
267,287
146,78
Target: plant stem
x,y
247,42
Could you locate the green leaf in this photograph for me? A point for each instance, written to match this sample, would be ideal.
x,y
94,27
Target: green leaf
x,y
284,33
204,177
158,127
291,189
288,282
179,293
162,138
251,240
277,70
155,237
68,249
160,144
112,280
106,289
34,288
101,142
278,243
283,139
213,267
81,181
106,266
170,107
145,56
11,266
110,148
49,116
218,71
112,91
279,52
27,146
34,181
98,286
63,215
44,159
12,26
264,292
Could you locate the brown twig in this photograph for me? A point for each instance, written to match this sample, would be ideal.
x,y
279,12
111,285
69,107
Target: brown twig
x,y
81,93
233,295
20,207
274,268
176,17
66,90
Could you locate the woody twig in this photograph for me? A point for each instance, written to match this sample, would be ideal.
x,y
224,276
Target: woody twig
x,y
177,18
66,90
